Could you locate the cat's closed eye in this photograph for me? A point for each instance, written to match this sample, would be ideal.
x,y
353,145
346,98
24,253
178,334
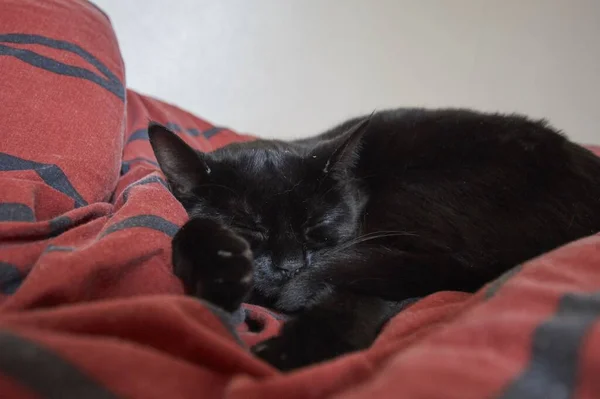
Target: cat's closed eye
x,y
254,235
320,235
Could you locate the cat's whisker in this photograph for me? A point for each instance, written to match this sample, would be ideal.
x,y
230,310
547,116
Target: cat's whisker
x,y
373,236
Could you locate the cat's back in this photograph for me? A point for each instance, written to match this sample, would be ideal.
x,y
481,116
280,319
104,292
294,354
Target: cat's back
x,y
406,140
480,178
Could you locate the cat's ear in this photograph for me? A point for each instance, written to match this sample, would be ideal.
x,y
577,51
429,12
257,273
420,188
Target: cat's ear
x,y
346,147
184,168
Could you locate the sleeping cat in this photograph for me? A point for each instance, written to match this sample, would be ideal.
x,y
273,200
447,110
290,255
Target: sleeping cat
x,y
341,229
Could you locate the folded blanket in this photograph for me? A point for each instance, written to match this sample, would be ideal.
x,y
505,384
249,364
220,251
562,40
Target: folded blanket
x,y
89,307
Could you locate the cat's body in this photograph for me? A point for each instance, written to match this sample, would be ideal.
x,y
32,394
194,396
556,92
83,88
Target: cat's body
x,y
345,226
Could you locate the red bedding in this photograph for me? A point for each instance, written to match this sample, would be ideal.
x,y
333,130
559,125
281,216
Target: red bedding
x,y
89,307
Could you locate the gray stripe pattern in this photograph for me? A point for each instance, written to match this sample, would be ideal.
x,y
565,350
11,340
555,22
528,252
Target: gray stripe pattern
x,y
148,221
15,212
10,278
553,369
44,372
498,283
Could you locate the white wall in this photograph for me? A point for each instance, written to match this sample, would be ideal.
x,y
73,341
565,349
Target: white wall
x,y
289,68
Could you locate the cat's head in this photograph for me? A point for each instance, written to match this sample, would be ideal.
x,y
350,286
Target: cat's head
x,y
294,203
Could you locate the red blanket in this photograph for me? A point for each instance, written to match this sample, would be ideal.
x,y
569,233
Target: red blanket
x,y
89,307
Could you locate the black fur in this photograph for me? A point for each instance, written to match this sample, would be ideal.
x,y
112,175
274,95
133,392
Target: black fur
x,y
345,226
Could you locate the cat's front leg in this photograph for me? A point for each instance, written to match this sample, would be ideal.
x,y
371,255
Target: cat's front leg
x,y
213,263
342,322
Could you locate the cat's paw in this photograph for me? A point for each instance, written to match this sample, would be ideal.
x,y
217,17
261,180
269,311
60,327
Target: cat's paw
x,y
300,344
280,353
213,262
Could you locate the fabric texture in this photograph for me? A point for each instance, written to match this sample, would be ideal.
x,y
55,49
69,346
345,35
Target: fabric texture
x,y
89,307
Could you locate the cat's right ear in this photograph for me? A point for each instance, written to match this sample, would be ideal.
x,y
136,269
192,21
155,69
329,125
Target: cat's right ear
x,y
183,167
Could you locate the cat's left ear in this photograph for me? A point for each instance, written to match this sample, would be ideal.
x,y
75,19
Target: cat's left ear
x,y
183,167
346,147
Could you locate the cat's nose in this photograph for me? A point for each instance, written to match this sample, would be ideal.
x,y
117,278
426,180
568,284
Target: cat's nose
x,y
290,265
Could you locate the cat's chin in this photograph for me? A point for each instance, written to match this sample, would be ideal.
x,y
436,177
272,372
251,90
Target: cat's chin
x,y
273,294
289,307
300,293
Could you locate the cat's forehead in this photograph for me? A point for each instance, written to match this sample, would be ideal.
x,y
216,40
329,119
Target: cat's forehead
x,y
272,163
272,178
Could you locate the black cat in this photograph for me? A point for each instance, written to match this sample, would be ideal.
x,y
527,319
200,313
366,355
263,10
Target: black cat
x,y
340,229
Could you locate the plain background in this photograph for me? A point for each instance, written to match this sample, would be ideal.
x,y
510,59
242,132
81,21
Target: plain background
x,y
291,68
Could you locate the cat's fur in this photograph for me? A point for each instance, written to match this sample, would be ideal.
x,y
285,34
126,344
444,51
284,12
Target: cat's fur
x,y
341,228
